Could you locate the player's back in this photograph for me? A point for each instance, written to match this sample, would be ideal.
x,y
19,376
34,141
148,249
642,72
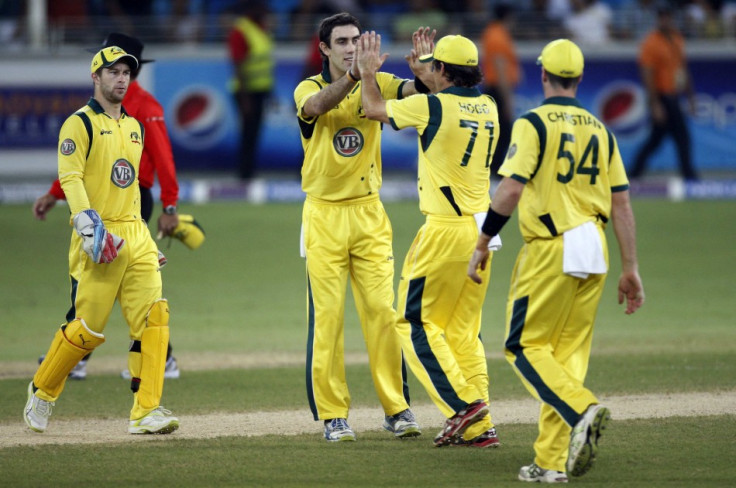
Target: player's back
x,y
456,149
573,169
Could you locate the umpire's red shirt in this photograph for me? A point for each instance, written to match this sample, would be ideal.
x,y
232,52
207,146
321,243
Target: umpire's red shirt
x,y
157,155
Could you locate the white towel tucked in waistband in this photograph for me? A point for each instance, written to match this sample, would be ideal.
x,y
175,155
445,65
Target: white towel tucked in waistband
x,y
583,251
495,243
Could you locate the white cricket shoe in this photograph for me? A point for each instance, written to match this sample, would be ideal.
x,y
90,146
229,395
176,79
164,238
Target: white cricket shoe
x,y
536,474
159,421
584,439
37,411
338,430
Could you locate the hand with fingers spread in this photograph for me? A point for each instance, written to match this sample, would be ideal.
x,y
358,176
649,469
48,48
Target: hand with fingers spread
x,y
369,57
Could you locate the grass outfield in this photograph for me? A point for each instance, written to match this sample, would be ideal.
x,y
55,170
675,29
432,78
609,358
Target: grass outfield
x,y
242,294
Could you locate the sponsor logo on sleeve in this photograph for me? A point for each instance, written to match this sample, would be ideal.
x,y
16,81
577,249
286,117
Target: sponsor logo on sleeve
x,y
135,138
123,173
67,147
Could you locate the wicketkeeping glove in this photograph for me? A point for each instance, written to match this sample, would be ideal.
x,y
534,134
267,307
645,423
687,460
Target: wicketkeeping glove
x,y
99,244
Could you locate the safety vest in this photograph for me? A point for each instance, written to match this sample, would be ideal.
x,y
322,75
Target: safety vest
x,y
257,68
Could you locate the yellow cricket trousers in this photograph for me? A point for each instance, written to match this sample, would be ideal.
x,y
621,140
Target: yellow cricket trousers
x,y
439,316
350,239
549,330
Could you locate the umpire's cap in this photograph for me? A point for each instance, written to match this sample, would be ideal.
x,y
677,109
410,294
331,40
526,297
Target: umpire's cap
x,y
110,55
130,45
562,58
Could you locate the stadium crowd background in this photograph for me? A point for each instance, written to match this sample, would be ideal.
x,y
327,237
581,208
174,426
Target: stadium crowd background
x,y
205,21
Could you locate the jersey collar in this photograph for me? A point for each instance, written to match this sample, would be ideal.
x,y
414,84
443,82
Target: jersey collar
x,y
563,101
461,91
95,105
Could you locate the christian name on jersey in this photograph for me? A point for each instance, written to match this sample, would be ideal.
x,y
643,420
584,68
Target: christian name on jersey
x,y
348,141
573,119
123,173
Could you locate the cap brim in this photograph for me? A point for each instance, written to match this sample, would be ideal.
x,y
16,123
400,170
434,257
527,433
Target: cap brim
x,y
427,58
95,50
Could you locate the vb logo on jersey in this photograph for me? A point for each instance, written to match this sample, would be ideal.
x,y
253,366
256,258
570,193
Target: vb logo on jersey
x,y
67,147
123,173
348,142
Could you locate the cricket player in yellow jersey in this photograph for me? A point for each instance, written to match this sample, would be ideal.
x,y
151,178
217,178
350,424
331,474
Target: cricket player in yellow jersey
x,y
346,233
111,256
439,310
564,171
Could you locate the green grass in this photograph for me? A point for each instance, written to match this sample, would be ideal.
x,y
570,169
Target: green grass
x,y
244,292
642,453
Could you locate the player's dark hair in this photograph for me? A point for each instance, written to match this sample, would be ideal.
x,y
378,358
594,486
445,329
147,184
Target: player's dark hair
x,y
329,23
562,82
467,76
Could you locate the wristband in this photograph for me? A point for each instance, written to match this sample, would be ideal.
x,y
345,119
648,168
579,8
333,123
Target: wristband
x,y
170,210
420,86
494,223
350,76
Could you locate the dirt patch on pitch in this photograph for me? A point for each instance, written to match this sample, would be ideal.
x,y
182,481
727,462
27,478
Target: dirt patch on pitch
x,y
294,422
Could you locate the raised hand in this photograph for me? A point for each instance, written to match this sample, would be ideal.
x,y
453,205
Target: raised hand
x,y
422,44
369,55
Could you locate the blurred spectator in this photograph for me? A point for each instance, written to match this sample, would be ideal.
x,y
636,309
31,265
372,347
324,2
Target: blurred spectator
x,y
536,23
307,16
11,15
132,16
185,23
501,74
559,9
251,53
421,13
703,19
590,23
635,19
666,77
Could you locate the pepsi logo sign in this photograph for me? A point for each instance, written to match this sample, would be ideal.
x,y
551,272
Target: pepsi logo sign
x,y
199,117
348,141
123,173
621,105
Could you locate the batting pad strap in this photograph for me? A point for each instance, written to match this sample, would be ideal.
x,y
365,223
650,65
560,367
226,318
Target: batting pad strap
x,y
494,222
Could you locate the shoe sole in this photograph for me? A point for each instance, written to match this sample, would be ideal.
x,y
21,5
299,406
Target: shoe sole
x,y
446,438
166,429
589,451
345,438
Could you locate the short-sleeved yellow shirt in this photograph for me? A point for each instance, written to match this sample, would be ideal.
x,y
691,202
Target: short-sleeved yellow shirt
x,y
458,132
570,163
342,148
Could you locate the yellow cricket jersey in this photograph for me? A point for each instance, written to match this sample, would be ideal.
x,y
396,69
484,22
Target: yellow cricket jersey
x,y
342,148
458,132
570,164
99,159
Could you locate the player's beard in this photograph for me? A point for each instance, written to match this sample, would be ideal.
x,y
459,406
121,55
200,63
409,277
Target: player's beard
x,y
112,94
